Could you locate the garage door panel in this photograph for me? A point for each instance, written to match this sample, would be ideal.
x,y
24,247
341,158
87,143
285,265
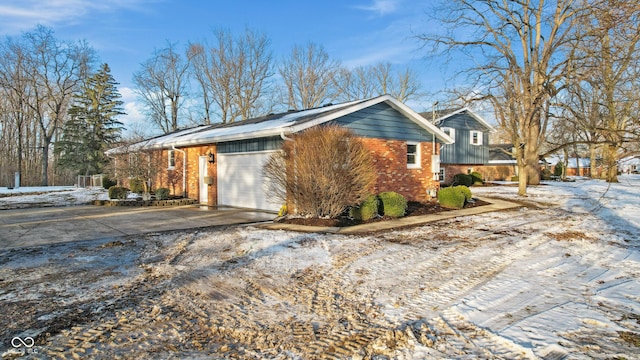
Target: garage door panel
x,y
241,180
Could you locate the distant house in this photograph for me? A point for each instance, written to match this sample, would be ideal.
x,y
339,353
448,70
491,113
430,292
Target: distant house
x,y
630,164
575,166
502,163
222,164
470,150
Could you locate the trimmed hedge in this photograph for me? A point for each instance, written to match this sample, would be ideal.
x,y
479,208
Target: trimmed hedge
x,y
451,197
462,179
367,210
477,178
118,192
107,182
162,194
464,190
393,204
136,186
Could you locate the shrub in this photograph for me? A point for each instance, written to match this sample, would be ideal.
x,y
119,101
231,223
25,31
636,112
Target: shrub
x,y
136,185
462,179
108,182
451,198
118,192
477,178
557,170
367,210
545,174
162,193
515,178
321,172
393,204
465,191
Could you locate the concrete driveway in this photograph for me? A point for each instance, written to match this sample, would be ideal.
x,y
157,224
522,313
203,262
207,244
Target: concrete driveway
x,y
39,226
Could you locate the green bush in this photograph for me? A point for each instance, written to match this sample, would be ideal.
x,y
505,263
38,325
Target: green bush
x,y
465,191
557,170
107,182
162,193
392,204
462,179
136,186
515,178
367,210
118,192
451,197
477,178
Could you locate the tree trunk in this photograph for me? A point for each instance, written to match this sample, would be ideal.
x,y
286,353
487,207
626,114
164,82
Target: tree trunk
x,y
45,163
532,163
522,180
611,163
592,159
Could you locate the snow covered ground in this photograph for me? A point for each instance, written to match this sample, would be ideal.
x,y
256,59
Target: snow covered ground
x,y
555,279
43,196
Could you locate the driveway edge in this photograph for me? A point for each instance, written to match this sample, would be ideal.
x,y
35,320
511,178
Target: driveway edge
x,y
495,205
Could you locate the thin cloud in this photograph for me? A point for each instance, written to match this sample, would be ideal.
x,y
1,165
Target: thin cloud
x,y
381,7
24,15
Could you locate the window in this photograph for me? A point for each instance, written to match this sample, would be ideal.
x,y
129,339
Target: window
x,y
413,155
171,156
476,137
449,131
441,175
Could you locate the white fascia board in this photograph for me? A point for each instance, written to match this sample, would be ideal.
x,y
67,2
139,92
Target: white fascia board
x,y
482,121
418,119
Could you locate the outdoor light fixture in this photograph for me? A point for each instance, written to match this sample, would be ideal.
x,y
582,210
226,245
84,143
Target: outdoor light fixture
x,y
212,157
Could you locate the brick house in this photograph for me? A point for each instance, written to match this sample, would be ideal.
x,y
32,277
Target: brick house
x,y
222,164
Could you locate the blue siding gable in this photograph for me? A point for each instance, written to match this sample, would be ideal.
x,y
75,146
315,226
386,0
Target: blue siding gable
x,y
462,151
383,122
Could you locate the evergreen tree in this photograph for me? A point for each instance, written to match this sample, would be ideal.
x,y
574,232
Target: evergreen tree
x,y
92,126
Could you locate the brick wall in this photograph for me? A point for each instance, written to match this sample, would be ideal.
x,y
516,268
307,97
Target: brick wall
x,y
172,179
390,160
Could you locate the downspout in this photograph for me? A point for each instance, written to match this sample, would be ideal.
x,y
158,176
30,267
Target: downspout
x,y
284,137
184,170
436,176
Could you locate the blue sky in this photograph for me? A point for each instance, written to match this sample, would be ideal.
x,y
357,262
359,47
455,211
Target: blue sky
x,y
126,32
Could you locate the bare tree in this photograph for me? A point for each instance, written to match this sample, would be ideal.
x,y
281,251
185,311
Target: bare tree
x,y
517,62
39,76
309,75
610,65
234,74
380,79
161,84
14,112
355,84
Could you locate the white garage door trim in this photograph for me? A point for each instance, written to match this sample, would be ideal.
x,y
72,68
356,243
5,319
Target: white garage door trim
x,y
241,182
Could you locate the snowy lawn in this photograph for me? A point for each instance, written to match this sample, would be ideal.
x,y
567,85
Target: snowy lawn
x,y
558,278
43,196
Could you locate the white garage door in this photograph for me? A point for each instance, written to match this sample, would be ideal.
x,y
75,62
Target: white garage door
x,y
241,182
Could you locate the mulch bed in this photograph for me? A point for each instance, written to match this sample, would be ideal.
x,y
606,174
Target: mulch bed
x,y
413,209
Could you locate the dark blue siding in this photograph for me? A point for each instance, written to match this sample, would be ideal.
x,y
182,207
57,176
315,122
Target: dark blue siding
x,y
462,151
383,122
258,144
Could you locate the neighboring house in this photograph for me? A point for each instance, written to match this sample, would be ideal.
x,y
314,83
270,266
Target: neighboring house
x,y
502,165
470,150
222,164
575,166
630,164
